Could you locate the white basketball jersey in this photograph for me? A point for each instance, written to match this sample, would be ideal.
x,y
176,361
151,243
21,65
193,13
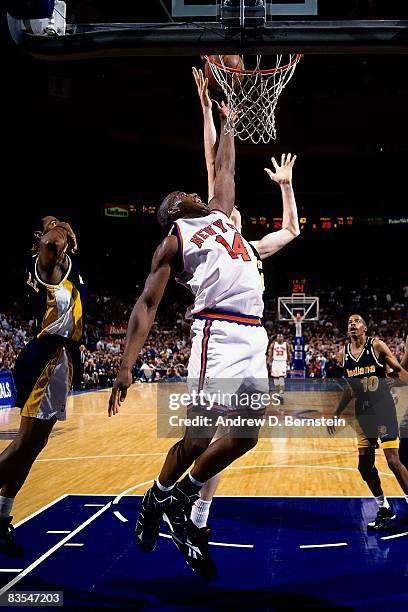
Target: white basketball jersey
x,y
219,266
280,352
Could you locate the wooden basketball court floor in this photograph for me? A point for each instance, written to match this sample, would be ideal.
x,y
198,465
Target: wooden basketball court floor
x,y
91,453
289,520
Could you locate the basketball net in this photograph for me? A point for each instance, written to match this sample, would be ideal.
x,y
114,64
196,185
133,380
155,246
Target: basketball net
x,y
252,95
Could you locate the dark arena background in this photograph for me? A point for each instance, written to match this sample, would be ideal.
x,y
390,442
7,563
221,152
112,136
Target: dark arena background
x,y
99,142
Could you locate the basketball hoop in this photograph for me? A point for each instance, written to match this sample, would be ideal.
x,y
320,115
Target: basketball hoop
x,y
253,96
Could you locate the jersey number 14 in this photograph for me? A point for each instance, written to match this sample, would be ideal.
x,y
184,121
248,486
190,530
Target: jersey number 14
x,y
238,248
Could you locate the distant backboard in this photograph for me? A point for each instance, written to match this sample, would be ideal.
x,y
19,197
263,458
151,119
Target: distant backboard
x,y
211,8
306,306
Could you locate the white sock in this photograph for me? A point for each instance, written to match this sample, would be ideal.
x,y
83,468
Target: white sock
x,y
161,487
6,504
195,482
200,512
382,501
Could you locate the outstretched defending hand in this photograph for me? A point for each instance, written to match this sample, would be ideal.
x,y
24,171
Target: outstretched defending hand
x,y
283,173
119,391
202,88
222,109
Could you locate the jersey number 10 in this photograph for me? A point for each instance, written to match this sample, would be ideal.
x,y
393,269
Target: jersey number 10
x,y
370,384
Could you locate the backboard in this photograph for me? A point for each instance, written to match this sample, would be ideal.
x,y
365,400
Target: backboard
x,y
194,27
306,306
211,8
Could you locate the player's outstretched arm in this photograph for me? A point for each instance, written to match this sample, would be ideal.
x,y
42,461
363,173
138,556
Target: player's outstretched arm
x,y
142,318
210,132
273,242
224,187
343,403
385,356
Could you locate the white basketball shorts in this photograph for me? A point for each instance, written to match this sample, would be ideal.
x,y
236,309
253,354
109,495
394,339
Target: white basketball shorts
x,y
228,360
278,369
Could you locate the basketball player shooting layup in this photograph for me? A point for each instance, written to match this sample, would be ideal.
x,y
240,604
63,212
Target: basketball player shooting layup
x,y
271,243
44,369
364,367
228,341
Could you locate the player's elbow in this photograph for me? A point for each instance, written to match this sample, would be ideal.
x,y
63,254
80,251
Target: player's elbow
x,y
150,304
293,231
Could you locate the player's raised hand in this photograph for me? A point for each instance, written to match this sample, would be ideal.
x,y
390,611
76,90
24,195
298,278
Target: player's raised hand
x,y
119,391
224,111
202,88
283,172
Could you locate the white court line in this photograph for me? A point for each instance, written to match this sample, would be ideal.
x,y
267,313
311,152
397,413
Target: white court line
x,y
49,552
323,545
249,496
72,544
306,452
396,535
10,570
27,518
120,516
141,484
102,457
328,452
166,535
316,467
93,505
91,494
58,531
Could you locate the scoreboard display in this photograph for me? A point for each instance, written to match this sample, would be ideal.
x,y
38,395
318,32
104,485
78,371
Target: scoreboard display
x,y
298,285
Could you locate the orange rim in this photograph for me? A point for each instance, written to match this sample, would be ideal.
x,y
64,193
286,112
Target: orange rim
x,y
295,60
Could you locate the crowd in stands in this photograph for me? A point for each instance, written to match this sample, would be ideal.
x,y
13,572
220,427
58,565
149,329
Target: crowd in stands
x,y
165,354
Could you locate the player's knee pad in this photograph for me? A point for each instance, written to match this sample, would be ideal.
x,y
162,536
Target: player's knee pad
x,y
367,468
276,382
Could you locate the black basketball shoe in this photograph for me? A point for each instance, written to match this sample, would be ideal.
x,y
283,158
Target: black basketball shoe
x,y
148,522
191,541
382,521
7,544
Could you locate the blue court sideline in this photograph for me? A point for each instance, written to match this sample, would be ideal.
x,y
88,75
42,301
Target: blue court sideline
x,y
100,566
